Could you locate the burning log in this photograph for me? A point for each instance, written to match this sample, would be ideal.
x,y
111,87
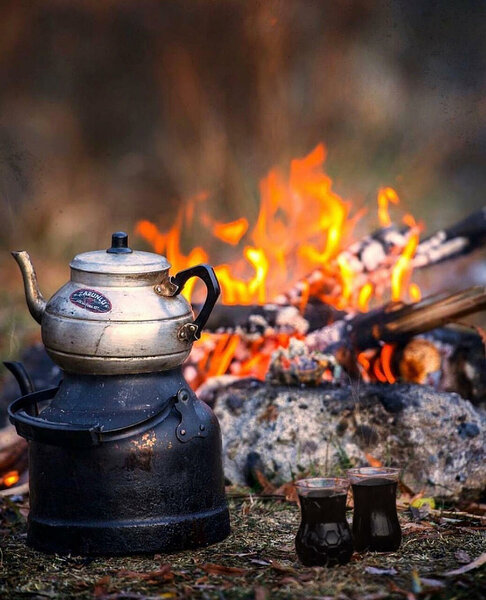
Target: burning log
x,y
372,259
369,345
457,240
251,319
420,358
397,323
381,346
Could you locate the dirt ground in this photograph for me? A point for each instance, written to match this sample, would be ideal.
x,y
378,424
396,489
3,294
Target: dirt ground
x,y
257,561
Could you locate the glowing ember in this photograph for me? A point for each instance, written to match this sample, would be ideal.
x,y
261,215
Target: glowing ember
x,y
386,357
10,479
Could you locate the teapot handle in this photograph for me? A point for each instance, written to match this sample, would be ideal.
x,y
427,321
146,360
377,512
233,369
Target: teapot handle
x,y
192,331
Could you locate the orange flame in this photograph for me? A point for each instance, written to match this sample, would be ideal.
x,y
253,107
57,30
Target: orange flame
x,y
385,196
364,296
386,357
231,233
401,270
372,461
378,371
302,227
301,224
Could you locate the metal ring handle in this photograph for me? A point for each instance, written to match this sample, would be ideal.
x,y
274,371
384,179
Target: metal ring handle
x,y
207,274
66,434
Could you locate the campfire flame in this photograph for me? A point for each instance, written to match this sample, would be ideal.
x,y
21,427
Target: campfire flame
x,y
302,225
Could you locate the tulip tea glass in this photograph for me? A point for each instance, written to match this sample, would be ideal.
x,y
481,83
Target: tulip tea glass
x,y
324,536
375,519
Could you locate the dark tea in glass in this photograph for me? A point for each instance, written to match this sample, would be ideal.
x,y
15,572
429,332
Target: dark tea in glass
x,y
324,536
375,519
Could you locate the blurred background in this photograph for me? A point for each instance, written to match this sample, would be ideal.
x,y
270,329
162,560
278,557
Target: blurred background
x,y
116,111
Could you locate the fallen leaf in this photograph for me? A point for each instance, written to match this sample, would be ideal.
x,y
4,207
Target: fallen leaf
x,y
267,487
462,557
289,491
404,489
356,557
135,596
480,560
416,497
160,576
372,461
101,586
408,528
378,571
214,569
420,502
280,568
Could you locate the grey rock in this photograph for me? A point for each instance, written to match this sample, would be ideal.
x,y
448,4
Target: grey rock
x,y
437,438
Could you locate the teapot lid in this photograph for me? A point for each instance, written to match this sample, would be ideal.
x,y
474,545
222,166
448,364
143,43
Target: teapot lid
x,y
119,259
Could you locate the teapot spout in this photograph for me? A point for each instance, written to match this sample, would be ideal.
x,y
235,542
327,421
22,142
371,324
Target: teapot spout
x,y
35,300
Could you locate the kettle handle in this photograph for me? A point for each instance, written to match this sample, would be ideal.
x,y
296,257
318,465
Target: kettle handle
x,y
37,429
207,274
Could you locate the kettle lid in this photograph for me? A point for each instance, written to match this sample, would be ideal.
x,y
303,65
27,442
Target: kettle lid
x,y
119,258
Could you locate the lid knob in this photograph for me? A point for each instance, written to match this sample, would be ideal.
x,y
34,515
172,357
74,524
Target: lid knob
x,y
119,243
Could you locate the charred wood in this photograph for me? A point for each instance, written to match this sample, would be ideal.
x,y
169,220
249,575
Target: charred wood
x,y
370,257
256,319
397,323
457,240
373,257
463,368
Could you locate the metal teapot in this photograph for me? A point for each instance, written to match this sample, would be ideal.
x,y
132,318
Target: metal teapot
x,y
121,312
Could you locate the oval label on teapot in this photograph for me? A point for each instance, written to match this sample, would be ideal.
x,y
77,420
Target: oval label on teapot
x,y
91,300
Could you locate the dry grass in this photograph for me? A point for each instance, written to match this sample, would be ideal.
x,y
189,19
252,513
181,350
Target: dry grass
x,y
257,561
